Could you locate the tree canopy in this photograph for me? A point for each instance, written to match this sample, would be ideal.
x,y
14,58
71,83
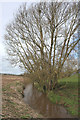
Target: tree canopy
x,y
43,36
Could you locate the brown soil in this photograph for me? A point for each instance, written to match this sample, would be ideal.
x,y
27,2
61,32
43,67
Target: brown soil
x,y
10,78
12,101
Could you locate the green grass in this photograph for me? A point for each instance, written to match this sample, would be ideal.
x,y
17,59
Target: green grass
x,y
26,116
73,78
67,94
39,88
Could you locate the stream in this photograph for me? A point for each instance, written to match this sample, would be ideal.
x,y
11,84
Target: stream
x,y
39,102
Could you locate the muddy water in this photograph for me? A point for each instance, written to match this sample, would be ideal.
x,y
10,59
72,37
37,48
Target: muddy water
x,y
39,101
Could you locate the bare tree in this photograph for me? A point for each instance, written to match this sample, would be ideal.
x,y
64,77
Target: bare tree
x,y
41,37
70,67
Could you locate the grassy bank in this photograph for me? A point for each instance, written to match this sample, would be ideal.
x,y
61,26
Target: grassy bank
x,y
66,94
12,102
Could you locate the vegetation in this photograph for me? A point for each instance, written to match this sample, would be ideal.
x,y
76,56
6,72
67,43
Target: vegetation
x,y
65,94
43,39
12,102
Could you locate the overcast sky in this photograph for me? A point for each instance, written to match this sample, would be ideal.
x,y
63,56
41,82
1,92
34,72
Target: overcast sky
x,y
7,11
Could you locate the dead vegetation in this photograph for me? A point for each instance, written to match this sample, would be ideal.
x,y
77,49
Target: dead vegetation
x,y
12,102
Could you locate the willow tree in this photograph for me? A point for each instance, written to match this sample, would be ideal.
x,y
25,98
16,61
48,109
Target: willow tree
x,y
40,38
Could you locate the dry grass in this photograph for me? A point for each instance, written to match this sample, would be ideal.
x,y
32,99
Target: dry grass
x,y
12,102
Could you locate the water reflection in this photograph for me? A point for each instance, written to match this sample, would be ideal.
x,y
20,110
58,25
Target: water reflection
x,y
42,105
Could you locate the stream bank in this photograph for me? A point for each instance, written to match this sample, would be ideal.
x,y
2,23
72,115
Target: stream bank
x,y
41,104
65,95
13,105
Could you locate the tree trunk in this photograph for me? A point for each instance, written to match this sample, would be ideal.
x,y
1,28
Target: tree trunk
x,y
55,82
